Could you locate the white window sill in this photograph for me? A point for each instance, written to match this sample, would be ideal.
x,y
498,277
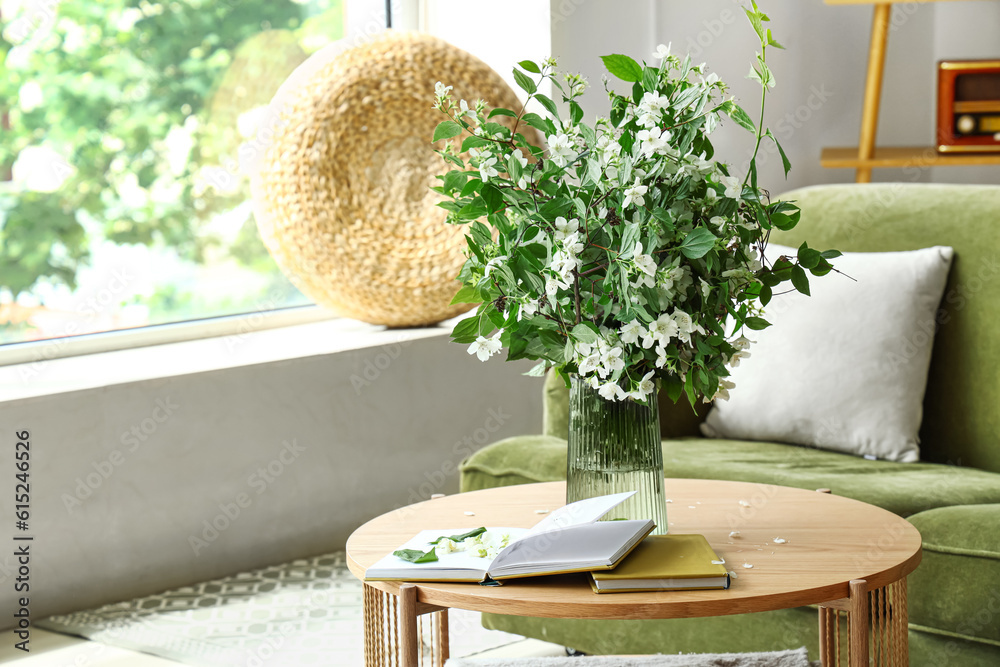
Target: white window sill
x,y
87,371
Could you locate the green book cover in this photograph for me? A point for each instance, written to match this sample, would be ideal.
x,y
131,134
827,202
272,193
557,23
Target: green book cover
x,y
665,562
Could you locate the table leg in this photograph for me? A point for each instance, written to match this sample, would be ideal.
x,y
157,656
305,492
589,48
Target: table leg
x,y
858,623
443,639
408,639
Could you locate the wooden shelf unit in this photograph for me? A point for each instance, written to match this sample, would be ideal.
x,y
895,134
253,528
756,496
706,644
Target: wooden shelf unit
x,y
866,156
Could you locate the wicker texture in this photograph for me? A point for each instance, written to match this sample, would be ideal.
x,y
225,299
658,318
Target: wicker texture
x,y
342,190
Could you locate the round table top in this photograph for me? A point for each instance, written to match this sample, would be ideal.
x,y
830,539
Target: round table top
x,y
828,541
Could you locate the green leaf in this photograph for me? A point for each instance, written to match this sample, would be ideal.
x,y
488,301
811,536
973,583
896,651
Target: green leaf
x,y
697,243
800,280
472,141
771,41
575,112
466,331
537,122
416,556
741,117
459,538
524,81
502,112
493,198
757,323
765,295
585,332
468,294
786,165
808,257
529,66
538,370
831,254
623,67
549,105
650,77
446,130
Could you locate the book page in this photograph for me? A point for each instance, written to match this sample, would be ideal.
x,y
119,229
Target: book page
x,y
457,560
571,547
581,512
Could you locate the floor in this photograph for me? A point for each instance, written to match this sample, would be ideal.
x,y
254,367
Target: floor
x,y
49,649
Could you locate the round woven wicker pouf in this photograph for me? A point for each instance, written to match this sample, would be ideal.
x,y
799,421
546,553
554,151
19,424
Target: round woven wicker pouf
x,y
341,191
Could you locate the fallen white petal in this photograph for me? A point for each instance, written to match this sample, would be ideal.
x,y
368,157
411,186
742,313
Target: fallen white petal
x,y
735,533
779,540
669,500
541,511
470,514
733,574
719,562
692,507
747,565
744,503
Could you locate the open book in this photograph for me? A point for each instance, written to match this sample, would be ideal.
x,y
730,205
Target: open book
x,y
570,539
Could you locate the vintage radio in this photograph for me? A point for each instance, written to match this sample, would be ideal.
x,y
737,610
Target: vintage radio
x,y
968,106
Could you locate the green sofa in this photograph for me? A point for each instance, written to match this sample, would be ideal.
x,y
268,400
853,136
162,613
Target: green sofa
x,y
952,496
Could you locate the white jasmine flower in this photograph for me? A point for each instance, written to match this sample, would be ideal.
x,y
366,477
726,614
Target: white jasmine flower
x,y
645,263
527,309
564,228
663,51
561,148
553,285
734,361
484,348
661,330
602,212
733,185
741,343
661,356
517,155
645,388
652,141
571,242
717,220
466,111
630,333
589,364
610,391
486,169
634,194
705,288
611,361
440,89
710,80
723,391
492,264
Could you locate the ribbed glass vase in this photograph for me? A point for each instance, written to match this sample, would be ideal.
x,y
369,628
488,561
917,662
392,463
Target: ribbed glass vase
x,y
614,446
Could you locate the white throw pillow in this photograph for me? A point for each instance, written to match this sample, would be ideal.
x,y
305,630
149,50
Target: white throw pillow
x,y
846,368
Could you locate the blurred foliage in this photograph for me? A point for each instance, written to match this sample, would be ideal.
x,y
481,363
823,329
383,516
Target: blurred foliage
x,y
140,99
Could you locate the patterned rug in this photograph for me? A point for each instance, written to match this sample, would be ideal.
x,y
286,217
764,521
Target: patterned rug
x,y
306,612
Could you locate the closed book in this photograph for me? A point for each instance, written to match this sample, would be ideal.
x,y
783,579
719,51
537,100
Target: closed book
x,y
665,563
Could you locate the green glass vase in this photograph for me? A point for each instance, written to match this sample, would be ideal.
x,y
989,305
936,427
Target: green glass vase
x,y
614,446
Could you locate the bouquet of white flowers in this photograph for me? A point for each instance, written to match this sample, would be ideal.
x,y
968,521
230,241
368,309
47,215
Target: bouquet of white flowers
x,y
622,251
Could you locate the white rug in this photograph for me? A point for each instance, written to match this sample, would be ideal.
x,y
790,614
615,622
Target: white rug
x,y
795,658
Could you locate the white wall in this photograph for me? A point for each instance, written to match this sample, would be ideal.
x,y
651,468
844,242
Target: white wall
x,y
827,48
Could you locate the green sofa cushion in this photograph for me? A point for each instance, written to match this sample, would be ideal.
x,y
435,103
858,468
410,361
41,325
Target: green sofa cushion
x,y
902,488
956,590
766,631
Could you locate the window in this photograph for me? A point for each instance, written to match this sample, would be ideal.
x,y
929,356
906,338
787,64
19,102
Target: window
x,y
121,199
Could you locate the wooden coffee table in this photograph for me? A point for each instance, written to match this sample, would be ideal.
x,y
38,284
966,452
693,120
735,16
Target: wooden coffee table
x,y
846,556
